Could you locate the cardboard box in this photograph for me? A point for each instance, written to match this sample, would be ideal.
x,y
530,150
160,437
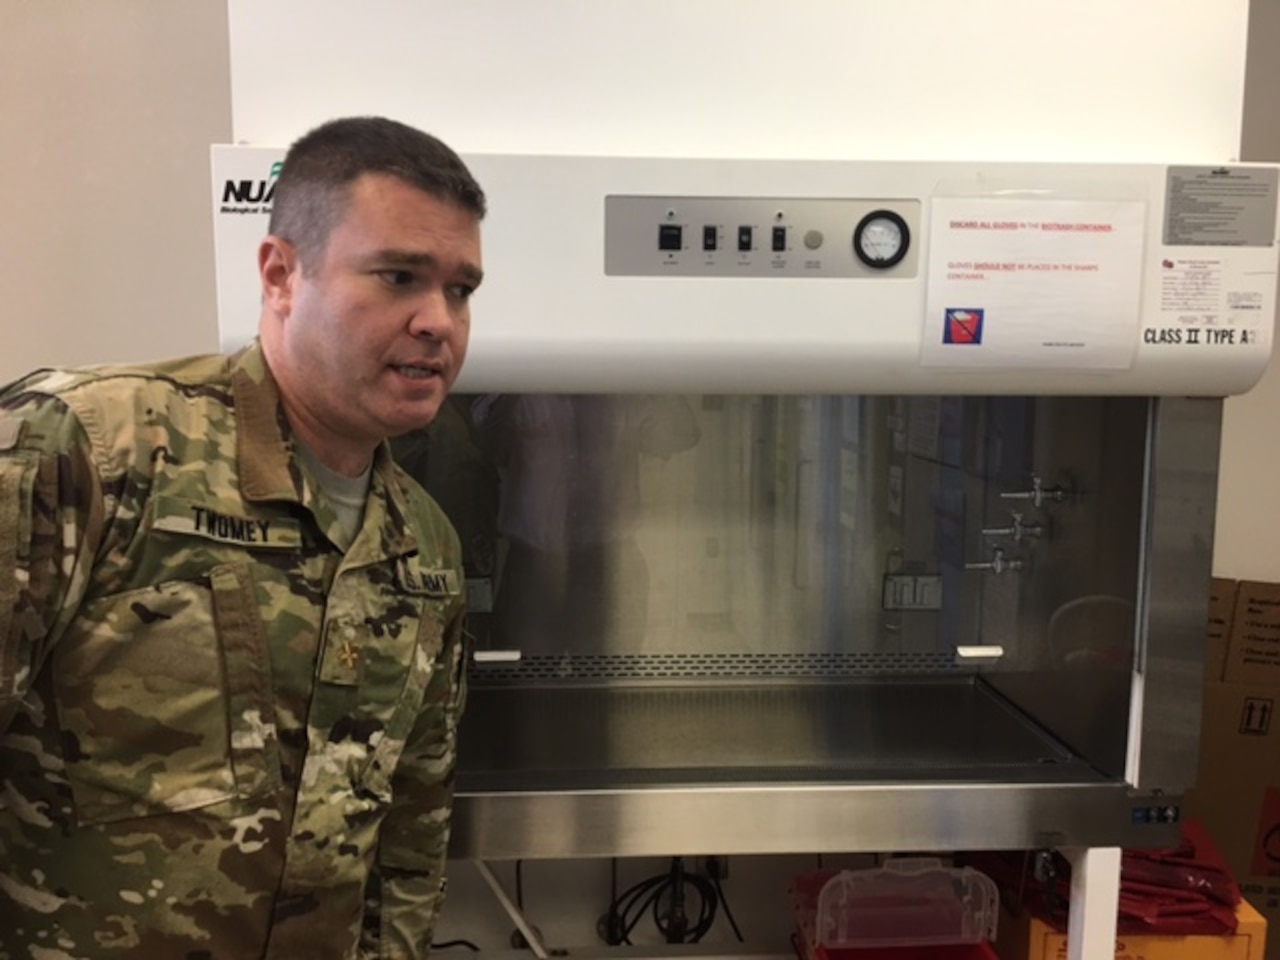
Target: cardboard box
x,y
1025,937
1237,794
1239,776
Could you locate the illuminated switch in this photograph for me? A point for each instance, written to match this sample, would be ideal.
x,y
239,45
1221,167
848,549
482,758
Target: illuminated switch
x,y
670,236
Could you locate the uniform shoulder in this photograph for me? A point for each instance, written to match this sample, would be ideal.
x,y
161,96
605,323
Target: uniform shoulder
x,y
124,408
118,378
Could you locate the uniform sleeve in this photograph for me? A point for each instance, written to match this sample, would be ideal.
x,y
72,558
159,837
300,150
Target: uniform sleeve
x,y
414,838
51,517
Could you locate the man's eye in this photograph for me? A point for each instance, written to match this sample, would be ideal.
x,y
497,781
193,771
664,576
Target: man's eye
x,y
462,291
396,278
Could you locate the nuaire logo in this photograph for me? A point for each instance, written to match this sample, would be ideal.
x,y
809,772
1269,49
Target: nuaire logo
x,y
250,196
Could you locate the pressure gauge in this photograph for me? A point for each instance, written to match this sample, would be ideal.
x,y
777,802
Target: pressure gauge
x,y
881,239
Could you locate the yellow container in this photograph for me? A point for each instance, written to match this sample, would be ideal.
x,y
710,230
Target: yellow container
x,y
1025,937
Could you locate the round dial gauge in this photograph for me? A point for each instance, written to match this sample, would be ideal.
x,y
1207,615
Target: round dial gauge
x,y
881,239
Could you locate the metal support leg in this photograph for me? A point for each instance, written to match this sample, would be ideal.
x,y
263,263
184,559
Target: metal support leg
x,y
517,916
1095,902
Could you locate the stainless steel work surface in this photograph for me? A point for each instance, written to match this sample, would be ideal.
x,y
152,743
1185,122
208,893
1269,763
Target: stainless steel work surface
x,y
604,737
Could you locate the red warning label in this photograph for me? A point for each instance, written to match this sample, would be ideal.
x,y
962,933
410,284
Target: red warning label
x,y
963,326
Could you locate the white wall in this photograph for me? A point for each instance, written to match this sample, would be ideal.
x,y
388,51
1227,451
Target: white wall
x,y
107,110
911,79
1247,542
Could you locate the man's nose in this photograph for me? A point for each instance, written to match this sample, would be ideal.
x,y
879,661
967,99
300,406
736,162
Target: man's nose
x,y
434,316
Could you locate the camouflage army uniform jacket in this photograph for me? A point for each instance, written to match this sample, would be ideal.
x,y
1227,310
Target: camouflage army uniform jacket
x,y
218,721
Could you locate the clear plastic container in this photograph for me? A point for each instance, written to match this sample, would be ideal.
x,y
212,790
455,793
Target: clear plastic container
x,y
906,903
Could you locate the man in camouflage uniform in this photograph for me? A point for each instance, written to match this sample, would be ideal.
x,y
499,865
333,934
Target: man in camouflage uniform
x,y
230,626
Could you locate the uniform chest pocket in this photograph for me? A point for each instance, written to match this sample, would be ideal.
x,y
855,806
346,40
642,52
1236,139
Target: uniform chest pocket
x,y
164,699
429,687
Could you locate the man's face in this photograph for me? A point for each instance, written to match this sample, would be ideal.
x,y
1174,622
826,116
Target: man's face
x,y
377,330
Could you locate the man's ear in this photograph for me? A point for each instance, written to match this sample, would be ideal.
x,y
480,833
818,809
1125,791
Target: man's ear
x,y
278,265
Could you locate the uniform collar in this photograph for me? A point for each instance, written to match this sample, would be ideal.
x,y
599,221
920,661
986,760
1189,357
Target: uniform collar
x,y
270,471
266,459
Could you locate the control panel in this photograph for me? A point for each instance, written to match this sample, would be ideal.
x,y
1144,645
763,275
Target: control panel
x,y
647,236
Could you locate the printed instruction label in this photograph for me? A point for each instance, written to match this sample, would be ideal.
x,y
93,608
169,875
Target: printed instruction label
x,y
1034,282
1220,206
1204,304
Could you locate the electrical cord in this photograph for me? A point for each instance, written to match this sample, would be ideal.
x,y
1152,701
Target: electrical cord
x,y
663,896
447,944
728,914
518,939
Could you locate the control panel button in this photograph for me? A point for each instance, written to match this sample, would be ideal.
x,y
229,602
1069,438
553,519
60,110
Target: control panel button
x,y
813,239
744,238
670,236
710,237
779,239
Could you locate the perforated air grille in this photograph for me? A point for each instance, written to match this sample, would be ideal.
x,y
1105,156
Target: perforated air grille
x,y
696,666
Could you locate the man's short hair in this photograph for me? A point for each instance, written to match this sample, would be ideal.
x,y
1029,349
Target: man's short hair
x,y
321,167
